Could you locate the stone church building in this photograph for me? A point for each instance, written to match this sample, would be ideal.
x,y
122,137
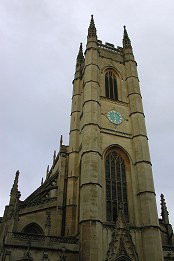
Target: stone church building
x,y
97,202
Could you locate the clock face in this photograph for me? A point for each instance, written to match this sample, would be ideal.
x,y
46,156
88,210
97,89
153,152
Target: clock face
x,y
115,117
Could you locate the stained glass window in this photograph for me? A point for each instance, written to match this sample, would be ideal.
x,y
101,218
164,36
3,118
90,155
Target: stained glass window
x,y
111,86
116,187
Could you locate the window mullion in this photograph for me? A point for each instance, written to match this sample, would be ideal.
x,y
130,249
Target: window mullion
x,y
116,187
113,89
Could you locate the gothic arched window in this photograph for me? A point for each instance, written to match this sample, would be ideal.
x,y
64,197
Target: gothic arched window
x,y
116,187
111,86
33,228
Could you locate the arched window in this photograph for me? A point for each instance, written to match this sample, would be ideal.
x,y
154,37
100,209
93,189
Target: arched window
x,y
33,228
111,86
116,187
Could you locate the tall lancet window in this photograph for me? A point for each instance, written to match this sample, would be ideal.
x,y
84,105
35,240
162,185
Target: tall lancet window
x,y
111,86
116,187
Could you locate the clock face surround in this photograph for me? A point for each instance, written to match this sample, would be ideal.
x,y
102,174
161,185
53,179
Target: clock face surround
x,y
114,117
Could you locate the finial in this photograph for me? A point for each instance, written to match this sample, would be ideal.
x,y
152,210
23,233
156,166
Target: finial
x,y
47,172
54,156
61,140
164,212
124,26
80,57
48,169
17,176
92,32
126,40
125,32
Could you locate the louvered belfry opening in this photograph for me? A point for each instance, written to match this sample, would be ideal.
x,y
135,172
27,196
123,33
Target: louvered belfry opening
x,y
111,86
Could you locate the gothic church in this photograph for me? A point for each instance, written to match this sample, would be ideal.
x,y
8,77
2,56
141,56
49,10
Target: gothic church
x,y
97,202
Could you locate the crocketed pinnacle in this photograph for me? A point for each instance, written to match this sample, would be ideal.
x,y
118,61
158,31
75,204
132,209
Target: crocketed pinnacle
x,y
126,40
54,156
80,57
92,32
48,172
15,193
125,33
48,169
14,189
164,212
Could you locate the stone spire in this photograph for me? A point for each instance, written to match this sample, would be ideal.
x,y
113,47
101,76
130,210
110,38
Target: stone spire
x,y
80,57
164,212
92,32
126,40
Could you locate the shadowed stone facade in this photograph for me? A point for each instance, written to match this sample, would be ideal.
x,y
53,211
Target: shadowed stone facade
x,y
97,202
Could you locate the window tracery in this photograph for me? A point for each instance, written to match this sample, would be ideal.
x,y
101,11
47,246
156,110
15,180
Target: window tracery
x,y
33,228
116,186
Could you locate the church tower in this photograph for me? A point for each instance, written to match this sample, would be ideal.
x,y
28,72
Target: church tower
x,y
109,173
97,202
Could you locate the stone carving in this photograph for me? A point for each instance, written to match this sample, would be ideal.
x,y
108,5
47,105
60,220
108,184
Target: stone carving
x,y
62,257
50,239
121,246
27,254
48,219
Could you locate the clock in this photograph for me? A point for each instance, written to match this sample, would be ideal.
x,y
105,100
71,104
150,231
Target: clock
x,y
114,117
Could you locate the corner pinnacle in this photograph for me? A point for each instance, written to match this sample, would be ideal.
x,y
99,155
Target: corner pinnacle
x,y
15,183
92,32
126,40
164,212
125,33
48,172
80,57
15,193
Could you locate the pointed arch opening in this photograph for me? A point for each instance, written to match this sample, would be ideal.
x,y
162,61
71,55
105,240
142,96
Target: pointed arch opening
x,y
116,184
111,90
33,228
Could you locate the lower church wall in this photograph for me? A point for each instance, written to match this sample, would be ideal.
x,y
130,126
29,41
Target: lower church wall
x,y
18,246
14,254
49,219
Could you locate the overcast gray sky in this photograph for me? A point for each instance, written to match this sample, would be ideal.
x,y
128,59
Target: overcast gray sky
x,y
39,41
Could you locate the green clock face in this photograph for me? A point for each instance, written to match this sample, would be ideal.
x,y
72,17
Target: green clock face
x,y
114,117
